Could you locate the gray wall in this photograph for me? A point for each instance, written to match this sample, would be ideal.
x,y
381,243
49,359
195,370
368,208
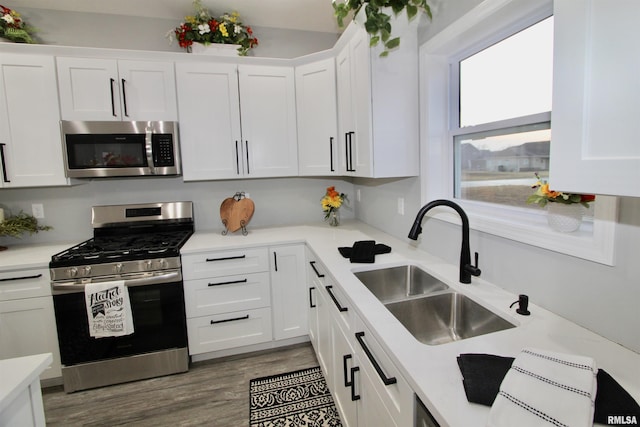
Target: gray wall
x,y
126,32
281,201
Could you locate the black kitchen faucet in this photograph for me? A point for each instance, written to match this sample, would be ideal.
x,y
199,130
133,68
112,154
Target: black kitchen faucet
x,y
466,269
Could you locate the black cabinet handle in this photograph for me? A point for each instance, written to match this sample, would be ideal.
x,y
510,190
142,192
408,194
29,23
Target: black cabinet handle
x,y
124,98
345,370
335,300
237,160
5,177
232,282
8,279
354,396
350,154
275,260
315,269
246,146
331,154
225,258
311,304
113,101
346,150
213,322
386,380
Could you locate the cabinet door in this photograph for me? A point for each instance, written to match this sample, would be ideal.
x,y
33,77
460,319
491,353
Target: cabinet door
x,y
371,408
317,118
89,89
148,90
30,142
346,126
362,139
268,110
324,350
27,327
289,290
343,377
595,146
209,107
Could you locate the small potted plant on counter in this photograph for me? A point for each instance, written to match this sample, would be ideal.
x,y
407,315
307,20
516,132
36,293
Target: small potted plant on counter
x,y
16,225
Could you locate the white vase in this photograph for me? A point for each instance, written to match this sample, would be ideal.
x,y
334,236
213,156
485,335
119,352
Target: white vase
x,y
215,49
564,218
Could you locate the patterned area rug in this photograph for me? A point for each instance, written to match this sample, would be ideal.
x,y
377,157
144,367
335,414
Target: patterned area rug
x,y
299,398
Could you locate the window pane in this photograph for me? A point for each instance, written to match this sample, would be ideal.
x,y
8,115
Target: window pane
x,y
498,166
510,79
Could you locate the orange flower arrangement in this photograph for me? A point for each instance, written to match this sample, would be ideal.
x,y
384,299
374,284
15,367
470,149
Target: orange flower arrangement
x,y
544,194
332,201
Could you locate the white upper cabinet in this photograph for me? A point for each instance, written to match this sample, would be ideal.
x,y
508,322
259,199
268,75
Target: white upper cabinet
x,y
268,111
215,142
378,118
209,107
106,89
596,88
317,118
30,141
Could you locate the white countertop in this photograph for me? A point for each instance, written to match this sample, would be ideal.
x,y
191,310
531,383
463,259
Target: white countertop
x,y
432,371
18,373
30,256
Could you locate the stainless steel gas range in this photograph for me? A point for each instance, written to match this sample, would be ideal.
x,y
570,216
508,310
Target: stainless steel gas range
x,y
138,245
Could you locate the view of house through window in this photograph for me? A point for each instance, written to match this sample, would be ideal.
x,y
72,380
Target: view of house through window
x,y
508,82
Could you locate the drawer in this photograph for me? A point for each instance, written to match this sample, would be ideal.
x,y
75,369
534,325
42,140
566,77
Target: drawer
x,y
19,284
229,330
226,294
225,263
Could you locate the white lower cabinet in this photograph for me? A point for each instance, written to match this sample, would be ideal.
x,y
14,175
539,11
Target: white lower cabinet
x,y
366,386
27,319
244,296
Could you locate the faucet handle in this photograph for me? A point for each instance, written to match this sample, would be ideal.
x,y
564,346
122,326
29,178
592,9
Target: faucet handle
x,y
473,269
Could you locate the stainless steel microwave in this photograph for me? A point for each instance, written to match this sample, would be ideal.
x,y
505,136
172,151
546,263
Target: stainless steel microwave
x,y
94,149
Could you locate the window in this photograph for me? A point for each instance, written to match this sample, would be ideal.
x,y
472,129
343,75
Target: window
x,y
485,101
495,161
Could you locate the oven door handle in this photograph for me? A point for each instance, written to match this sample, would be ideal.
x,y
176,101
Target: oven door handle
x,y
173,276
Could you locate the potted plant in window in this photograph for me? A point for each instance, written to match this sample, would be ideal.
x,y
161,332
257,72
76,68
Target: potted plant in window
x,y
564,210
378,20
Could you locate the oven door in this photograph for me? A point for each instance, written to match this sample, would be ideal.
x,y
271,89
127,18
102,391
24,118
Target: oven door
x,y
158,318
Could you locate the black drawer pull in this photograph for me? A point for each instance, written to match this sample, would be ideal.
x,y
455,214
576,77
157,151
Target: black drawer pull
x,y
311,304
347,382
213,322
113,103
233,282
313,265
354,396
8,279
226,258
335,300
383,377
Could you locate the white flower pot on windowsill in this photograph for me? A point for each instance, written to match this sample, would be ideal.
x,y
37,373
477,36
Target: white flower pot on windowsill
x,y
564,218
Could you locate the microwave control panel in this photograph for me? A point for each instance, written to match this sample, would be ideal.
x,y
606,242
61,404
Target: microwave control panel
x,y
163,154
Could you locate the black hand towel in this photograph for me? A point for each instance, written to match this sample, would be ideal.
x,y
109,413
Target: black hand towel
x,y
364,251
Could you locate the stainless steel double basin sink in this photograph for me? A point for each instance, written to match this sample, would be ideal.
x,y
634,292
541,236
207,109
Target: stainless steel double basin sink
x,y
428,308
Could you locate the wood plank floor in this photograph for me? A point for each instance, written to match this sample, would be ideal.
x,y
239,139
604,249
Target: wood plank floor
x,y
213,393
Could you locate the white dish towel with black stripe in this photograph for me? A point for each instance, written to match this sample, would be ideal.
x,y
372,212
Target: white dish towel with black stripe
x,y
108,309
545,388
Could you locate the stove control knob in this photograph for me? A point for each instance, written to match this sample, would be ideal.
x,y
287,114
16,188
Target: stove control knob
x,y
148,265
86,270
72,272
163,263
118,267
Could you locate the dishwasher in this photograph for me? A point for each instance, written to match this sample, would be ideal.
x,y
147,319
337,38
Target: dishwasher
x,y
423,417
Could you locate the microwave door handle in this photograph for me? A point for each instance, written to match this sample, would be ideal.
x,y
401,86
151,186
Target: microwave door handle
x,y
149,148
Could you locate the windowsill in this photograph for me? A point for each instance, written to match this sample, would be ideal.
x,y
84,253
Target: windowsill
x,y
593,241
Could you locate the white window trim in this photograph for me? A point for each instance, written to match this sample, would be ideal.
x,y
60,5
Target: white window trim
x,y
594,241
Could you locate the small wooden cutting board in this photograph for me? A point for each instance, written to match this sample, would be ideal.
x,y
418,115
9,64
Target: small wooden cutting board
x,y
236,213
